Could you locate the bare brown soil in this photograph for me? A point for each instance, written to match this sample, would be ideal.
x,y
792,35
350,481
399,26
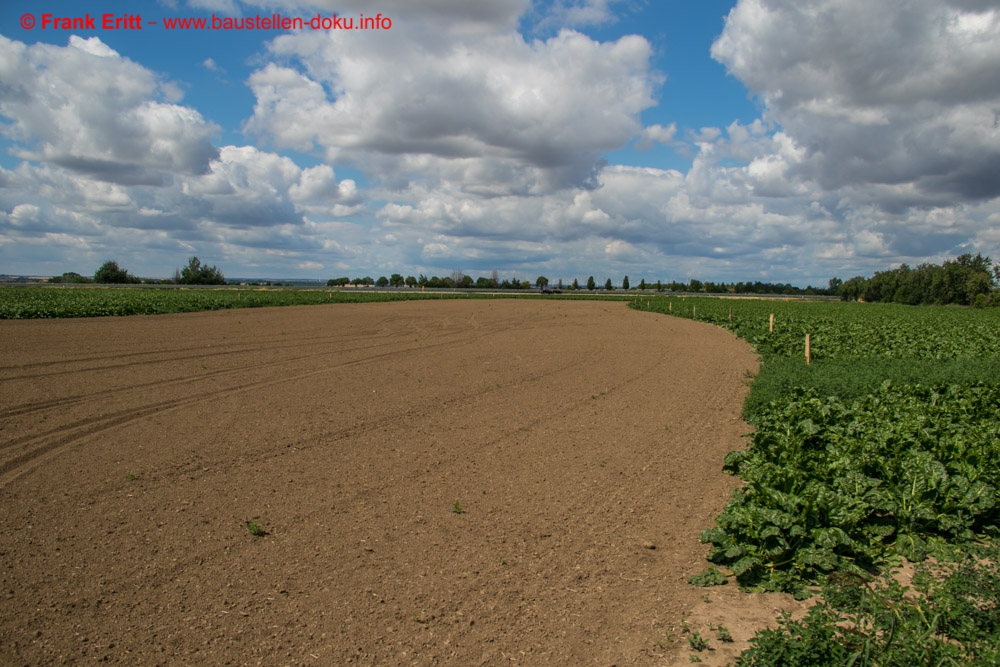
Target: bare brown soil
x,y
582,443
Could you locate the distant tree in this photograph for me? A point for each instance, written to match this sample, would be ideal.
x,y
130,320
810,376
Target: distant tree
x,y
625,284
382,282
70,277
834,286
608,286
411,281
110,274
338,282
482,282
659,286
642,283
542,281
457,278
575,285
559,285
422,280
591,284
197,274
495,277
396,280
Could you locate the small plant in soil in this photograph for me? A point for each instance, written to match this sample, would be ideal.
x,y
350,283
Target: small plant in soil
x,y
255,528
722,632
457,508
697,642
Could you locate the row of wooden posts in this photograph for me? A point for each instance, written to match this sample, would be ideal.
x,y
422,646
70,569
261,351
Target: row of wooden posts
x,y
770,326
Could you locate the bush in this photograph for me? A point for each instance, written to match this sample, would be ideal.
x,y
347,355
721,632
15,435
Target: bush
x,y
110,273
197,274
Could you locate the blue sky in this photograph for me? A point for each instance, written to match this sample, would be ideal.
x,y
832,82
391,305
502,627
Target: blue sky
x,y
779,140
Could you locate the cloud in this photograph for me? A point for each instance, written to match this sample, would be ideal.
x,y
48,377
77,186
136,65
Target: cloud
x,y
496,113
877,93
656,134
85,107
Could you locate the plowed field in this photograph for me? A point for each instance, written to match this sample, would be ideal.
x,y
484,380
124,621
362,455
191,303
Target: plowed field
x,y
441,483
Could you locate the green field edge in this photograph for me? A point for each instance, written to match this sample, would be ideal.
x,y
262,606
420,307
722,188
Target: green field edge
x,y
55,302
861,614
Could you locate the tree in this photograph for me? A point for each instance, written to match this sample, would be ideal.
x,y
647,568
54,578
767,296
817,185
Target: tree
x,y
575,285
411,281
396,280
625,284
495,277
110,273
382,282
196,274
591,284
70,277
608,286
542,281
642,283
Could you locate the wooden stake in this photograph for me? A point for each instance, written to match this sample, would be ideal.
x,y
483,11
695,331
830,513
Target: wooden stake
x,y
694,311
771,325
730,314
808,355
671,308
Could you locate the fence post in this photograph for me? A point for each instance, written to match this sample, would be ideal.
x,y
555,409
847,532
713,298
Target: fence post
x,y
808,352
771,325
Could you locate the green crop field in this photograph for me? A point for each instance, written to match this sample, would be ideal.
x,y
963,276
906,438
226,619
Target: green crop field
x,y
55,302
885,445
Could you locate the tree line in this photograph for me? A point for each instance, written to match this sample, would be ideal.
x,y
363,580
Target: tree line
x,y
110,273
966,280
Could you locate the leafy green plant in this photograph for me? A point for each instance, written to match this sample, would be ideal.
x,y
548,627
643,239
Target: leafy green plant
x,y
722,632
457,508
837,486
710,577
255,528
697,642
952,617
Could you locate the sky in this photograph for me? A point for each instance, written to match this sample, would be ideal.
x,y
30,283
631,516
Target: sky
x,y
787,141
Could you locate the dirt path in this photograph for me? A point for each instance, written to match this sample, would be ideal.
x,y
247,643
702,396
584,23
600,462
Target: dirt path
x,y
582,440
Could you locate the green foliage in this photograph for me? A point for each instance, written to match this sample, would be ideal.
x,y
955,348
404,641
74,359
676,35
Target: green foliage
x,y
710,577
110,273
255,528
591,284
952,617
846,471
38,302
457,508
853,378
697,642
197,274
959,281
831,485
70,277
